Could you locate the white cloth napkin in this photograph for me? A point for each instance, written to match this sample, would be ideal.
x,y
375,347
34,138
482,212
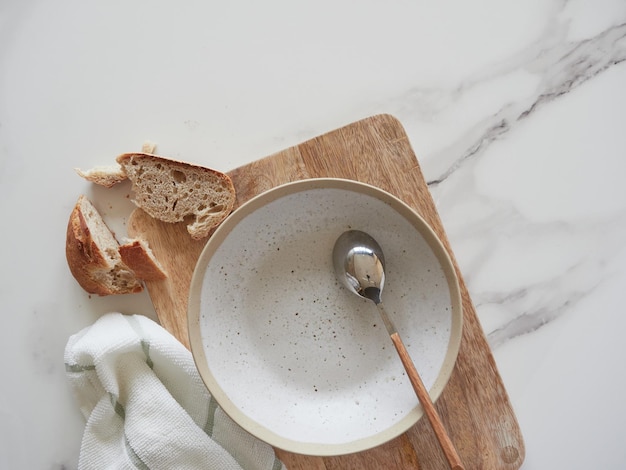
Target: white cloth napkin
x,y
146,406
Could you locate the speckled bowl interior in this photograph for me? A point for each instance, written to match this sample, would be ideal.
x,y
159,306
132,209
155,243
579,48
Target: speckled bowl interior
x,y
293,356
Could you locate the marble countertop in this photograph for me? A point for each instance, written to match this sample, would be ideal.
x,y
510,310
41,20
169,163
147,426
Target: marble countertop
x,y
516,110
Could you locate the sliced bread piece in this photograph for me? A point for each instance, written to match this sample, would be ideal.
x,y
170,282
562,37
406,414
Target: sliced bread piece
x,y
175,191
92,254
138,256
106,176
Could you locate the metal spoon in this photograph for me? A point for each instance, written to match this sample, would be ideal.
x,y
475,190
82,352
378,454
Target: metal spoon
x,y
360,265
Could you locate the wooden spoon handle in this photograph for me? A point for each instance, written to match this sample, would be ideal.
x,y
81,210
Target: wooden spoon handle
x,y
422,394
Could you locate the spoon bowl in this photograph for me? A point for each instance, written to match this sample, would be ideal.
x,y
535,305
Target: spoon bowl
x,y
360,264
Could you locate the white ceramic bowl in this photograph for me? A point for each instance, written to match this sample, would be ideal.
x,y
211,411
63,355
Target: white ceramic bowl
x,y
293,356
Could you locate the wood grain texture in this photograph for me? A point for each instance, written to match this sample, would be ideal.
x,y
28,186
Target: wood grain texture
x,y
474,406
429,408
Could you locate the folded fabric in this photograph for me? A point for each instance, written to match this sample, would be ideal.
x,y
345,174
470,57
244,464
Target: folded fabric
x,y
146,406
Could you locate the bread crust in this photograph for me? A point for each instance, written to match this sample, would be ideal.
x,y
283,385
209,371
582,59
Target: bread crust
x,y
87,261
137,256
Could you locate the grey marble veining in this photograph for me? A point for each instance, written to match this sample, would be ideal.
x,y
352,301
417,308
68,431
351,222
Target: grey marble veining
x,y
557,66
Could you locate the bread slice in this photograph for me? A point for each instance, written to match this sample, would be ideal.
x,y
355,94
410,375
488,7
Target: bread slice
x,y
175,191
138,256
92,254
106,176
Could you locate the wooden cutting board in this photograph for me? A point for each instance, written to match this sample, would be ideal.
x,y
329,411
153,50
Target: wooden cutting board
x,y
474,405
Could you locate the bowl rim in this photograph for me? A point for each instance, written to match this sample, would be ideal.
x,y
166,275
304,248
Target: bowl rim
x,y
195,337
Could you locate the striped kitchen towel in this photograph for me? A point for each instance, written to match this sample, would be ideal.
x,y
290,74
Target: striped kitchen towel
x,y
146,405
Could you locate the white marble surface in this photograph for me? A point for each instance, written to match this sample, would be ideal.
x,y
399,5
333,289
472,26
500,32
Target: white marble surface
x,y
517,111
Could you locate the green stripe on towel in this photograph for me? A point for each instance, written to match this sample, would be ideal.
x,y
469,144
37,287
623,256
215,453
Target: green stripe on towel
x,y
134,458
132,455
278,465
210,419
78,367
117,406
145,344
